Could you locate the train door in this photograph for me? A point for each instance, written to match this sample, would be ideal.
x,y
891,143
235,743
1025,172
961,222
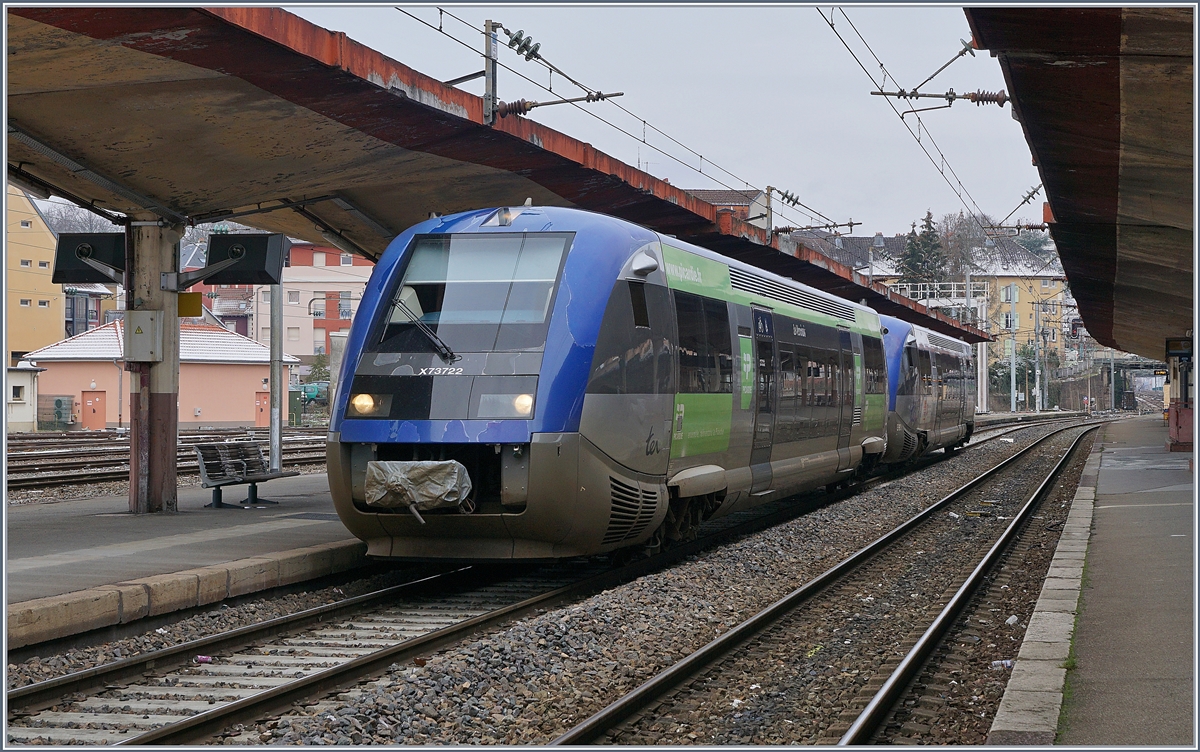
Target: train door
x,y
94,415
844,380
764,392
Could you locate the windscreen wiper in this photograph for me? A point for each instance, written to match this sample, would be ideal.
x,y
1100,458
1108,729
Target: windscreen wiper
x,y
443,350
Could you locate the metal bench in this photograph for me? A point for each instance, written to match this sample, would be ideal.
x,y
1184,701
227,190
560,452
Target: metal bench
x,y
232,463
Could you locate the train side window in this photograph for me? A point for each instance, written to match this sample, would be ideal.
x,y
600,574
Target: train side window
x,y
705,348
873,365
785,412
637,296
631,358
926,371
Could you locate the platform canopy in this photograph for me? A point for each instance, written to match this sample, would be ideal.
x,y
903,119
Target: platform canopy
x,y
203,114
1105,98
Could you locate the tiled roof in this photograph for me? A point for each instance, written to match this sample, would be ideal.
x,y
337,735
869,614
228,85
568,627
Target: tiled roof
x,y
198,343
725,197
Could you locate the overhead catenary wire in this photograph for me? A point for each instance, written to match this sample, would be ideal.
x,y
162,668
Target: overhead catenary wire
x,y
945,163
592,114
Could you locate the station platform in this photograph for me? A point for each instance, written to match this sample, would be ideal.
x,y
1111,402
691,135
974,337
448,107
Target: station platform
x,y
74,566
1108,656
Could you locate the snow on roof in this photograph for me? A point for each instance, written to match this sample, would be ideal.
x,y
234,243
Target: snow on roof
x,y
198,343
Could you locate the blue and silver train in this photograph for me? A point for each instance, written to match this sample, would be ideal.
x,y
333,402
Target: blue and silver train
x,y
539,382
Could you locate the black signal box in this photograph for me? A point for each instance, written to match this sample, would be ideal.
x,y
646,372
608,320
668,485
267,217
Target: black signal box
x,y
258,258
104,248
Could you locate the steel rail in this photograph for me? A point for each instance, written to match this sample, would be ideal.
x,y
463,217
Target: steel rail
x,y
22,699
876,711
593,727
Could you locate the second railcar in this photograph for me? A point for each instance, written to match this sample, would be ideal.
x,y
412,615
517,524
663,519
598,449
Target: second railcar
x,y
931,391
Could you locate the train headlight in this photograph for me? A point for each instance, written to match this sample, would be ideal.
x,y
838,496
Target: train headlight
x,y
370,405
518,406
523,404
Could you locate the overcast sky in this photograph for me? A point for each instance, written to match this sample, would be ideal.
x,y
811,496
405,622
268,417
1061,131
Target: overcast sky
x,y
768,93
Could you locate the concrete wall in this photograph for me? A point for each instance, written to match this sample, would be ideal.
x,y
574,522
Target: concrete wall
x,y
224,393
21,415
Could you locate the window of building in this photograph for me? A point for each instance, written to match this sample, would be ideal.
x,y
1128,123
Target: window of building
x,y
347,259
1045,283
266,334
318,258
293,297
344,311
27,223
28,263
224,287
43,264
1053,335
266,296
1008,321
18,393
293,334
318,341
43,304
26,302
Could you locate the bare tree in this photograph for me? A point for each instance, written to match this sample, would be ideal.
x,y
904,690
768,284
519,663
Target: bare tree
x,y
71,218
963,237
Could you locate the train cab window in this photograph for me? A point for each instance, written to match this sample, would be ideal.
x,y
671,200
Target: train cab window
x,y
633,357
477,292
705,347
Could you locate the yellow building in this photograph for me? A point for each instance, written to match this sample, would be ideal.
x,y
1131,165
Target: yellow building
x,y
1040,312
35,310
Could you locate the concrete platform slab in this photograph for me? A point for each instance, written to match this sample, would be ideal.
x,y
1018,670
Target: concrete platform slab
x,y
1134,642
74,566
66,546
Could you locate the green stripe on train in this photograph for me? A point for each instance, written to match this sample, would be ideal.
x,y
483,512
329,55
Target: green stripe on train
x,y
702,424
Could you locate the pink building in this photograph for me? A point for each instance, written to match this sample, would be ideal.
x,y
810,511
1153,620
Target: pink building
x,y
223,377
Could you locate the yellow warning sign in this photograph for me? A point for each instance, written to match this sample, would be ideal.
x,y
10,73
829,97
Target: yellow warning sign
x,y
138,330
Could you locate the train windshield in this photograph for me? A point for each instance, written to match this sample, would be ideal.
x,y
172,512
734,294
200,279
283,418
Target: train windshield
x,y
478,293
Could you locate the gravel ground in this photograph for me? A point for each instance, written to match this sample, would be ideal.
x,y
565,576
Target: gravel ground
x,y
532,681
20,496
220,619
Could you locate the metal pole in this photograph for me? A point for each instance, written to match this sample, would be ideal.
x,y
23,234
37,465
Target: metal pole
x,y
1037,356
1112,379
1087,364
277,386
489,72
1012,356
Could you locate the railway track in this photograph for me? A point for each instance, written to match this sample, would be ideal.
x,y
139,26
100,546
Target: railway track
x,y
798,635
58,463
163,697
